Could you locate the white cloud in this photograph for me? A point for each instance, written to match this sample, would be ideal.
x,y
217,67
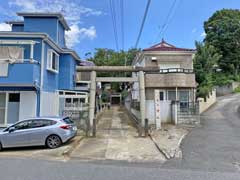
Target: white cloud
x,y
194,30
203,34
25,5
76,34
5,27
88,33
72,10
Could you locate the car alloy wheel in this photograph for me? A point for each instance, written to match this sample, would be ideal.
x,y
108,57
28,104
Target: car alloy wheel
x,y
53,141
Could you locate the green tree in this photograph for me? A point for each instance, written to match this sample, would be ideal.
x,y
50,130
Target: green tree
x,y
109,57
223,32
205,62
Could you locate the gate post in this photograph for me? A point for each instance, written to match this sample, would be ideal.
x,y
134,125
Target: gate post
x,y
146,128
92,98
142,98
94,127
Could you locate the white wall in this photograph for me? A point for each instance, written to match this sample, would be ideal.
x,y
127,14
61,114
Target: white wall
x,y
210,100
28,104
49,105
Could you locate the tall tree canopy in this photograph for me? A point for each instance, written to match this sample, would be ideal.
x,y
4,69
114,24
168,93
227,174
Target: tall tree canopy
x,y
220,50
109,57
205,62
223,32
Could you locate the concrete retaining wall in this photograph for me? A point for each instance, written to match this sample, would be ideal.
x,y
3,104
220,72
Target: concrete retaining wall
x,y
134,112
227,89
204,104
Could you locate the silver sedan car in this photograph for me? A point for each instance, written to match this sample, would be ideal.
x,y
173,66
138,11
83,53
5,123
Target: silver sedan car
x,y
48,131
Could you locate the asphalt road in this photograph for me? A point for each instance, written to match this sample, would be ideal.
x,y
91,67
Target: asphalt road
x,y
211,151
215,146
45,170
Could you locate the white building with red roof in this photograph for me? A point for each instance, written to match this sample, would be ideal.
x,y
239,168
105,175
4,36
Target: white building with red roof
x,y
173,84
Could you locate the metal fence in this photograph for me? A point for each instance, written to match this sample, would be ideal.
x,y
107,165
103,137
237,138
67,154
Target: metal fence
x,y
80,118
191,108
135,105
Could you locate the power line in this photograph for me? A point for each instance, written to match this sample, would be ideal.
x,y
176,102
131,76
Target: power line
x,y
173,15
122,22
123,28
113,15
143,22
167,20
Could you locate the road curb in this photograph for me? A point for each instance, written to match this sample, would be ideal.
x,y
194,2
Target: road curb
x,y
67,152
165,154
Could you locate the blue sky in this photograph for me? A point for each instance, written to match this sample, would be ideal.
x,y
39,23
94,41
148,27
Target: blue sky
x,y
92,28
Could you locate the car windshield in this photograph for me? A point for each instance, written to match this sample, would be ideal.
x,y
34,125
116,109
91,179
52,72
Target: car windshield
x,y
6,129
68,121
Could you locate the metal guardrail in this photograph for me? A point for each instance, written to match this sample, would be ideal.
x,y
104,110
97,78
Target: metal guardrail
x,y
135,105
138,125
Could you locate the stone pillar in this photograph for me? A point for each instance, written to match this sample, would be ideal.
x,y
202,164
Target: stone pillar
x,y
157,109
142,97
92,98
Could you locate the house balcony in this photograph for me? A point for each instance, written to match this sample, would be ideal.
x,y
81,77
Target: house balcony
x,y
82,81
169,78
83,76
21,74
82,85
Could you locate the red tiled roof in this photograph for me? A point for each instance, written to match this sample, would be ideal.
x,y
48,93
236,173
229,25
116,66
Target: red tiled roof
x,y
164,46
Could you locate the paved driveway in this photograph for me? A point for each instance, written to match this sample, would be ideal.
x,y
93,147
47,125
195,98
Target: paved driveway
x,y
117,139
216,145
59,154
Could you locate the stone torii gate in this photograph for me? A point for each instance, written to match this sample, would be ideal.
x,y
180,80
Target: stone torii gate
x,y
95,79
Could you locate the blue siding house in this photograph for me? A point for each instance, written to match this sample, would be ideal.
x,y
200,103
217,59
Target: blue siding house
x,y
36,67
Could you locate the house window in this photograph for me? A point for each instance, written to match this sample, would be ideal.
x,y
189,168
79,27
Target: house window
x,y
184,99
184,96
161,95
172,95
14,97
53,61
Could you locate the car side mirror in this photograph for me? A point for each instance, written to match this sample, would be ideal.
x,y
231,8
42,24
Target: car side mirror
x,y
11,129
